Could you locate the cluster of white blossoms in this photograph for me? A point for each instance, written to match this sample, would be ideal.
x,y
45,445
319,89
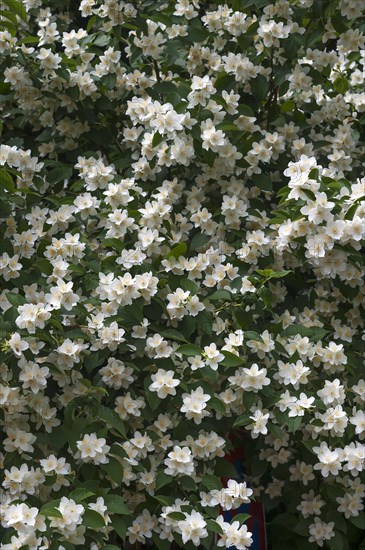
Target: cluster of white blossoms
x,y
182,273
92,449
230,497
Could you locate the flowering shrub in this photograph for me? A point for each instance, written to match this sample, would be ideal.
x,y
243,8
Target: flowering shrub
x,y
182,258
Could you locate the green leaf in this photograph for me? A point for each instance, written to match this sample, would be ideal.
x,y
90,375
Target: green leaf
x,y
177,516
101,39
285,521
11,28
17,7
187,483
242,518
165,500
60,173
44,266
162,479
260,87
287,106
351,211
119,525
135,310
80,494
109,81
152,398
359,521
199,240
9,15
338,542
15,300
197,33
294,423
309,445
338,519
217,405
270,274
223,468
214,526
115,244
341,85
165,87
114,469
302,528
263,182
111,418
189,350
220,295
191,286
6,181
275,430
91,23
231,359
224,81
317,333
157,139
159,543
228,127
188,325
177,251
51,512
118,450
252,335
211,482
248,399
93,519
242,420
172,334
116,505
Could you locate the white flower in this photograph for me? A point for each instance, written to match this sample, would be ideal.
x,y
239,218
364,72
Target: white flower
x,y
258,425
179,461
193,528
92,449
329,462
20,514
254,379
34,377
311,504
19,440
54,464
232,496
196,362
321,531
157,347
332,392
17,344
212,356
234,535
358,420
32,316
194,404
71,512
164,383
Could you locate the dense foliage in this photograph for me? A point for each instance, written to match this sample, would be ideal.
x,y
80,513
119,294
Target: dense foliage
x,y
183,222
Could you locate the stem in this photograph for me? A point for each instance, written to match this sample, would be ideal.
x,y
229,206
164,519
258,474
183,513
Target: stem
x,y
158,77
119,147
272,91
157,70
